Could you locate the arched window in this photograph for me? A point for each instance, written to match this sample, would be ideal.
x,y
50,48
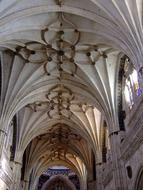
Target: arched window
x,y
128,94
131,88
128,90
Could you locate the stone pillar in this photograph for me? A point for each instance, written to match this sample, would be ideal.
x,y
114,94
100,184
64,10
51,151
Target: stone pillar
x,y
3,135
92,185
25,185
118,166
98,177
16,175
35,183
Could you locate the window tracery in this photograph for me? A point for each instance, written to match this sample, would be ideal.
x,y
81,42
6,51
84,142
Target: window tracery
x,y
131,89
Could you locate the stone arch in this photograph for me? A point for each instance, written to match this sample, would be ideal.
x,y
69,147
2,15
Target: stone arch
x,y
139,180
51,183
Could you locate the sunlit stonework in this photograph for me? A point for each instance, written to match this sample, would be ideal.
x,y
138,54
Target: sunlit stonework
x,y
71,91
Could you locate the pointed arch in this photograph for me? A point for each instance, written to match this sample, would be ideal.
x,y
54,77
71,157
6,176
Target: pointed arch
x,y
56,179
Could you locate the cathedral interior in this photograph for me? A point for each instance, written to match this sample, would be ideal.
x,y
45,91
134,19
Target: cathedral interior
x,y
71,94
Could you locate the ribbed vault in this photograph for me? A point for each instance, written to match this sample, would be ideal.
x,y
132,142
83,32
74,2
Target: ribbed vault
x,y
61,145
120,34
59,75
38,34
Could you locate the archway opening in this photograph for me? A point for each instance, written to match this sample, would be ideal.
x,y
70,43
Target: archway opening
x,y
58,177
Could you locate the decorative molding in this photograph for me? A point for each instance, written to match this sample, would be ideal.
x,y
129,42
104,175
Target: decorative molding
x,y
59,98
59,137
61,49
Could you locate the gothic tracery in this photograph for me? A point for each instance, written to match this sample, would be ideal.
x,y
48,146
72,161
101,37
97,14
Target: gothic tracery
x,y
71,92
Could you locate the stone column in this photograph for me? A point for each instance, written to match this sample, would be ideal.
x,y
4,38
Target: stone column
x,y
16,175
118,166
98,177
92,185
5,171
25,185
3,136
35,183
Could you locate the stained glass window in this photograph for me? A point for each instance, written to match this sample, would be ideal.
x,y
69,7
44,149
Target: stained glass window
x,y
131,90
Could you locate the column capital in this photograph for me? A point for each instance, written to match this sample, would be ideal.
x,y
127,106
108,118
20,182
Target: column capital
x,y
17,163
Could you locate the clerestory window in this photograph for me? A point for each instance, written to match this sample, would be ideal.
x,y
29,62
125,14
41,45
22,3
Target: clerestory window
x,y
131,89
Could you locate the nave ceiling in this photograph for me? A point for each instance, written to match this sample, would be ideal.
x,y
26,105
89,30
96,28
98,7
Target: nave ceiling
x,y
57,70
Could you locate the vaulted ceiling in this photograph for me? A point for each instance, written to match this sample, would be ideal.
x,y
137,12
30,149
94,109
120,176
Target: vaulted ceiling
x,y
60,61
